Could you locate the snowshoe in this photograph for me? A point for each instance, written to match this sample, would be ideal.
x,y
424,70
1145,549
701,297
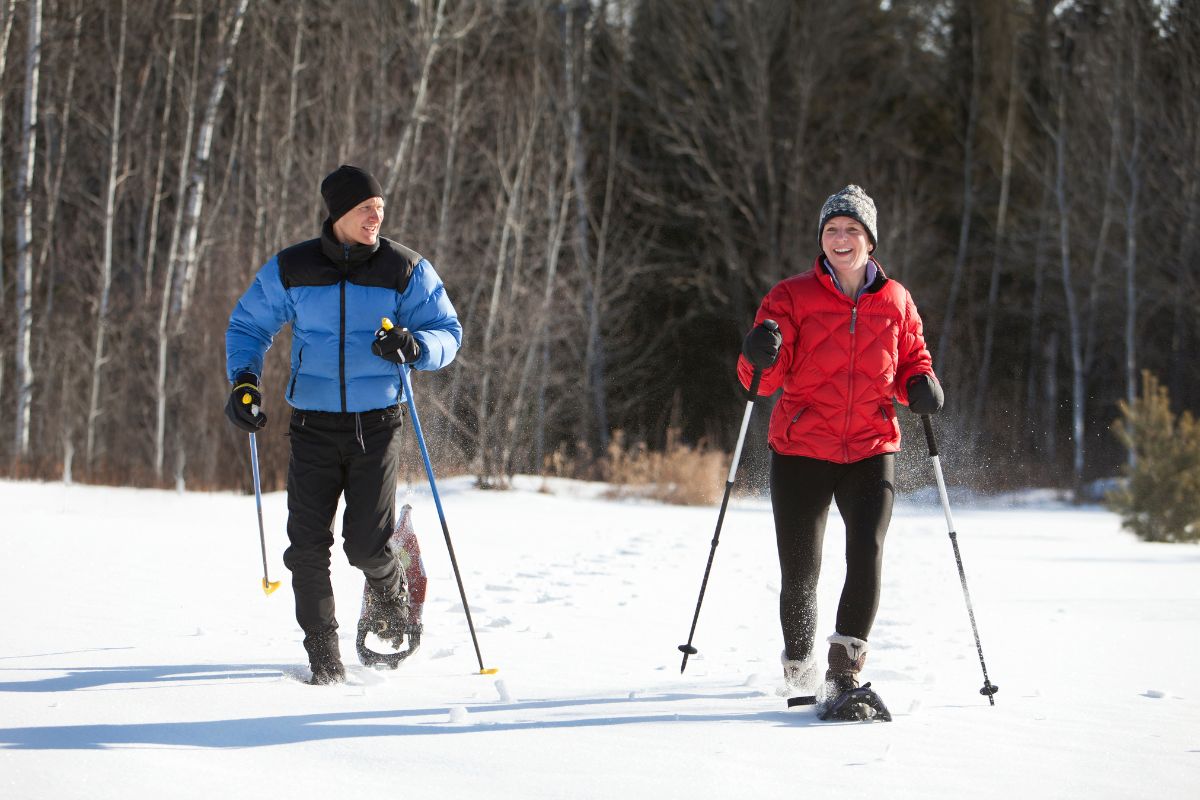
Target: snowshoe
x,y
859,704
396,621
802,700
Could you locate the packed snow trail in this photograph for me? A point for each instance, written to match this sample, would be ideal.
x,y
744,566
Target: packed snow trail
x,y
138,644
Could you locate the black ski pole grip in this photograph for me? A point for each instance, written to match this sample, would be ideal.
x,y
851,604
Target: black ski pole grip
x,y
752,392
929,435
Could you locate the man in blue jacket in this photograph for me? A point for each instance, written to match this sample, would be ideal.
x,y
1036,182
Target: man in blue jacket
x,y
345,392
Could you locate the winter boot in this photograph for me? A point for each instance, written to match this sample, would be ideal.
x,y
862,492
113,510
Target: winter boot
x,y
847,655
800,676
324,658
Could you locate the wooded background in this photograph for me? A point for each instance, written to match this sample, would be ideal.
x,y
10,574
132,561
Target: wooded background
x,y
607,188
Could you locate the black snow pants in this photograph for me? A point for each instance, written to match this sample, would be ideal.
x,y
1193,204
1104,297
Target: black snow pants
x,y
355,454
801,491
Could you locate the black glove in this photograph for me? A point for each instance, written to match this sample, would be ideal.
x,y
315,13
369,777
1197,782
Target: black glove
x,y
397,345
761,345
924,394
244,407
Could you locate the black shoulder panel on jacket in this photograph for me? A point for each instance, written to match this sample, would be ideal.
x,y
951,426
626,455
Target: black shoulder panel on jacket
x,y
390,267
304,264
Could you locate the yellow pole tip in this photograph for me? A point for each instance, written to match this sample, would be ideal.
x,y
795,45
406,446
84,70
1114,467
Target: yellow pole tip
x,y
269,586
386,324
489,671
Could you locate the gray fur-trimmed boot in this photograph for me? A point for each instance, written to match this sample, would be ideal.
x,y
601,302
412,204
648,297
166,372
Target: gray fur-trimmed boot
x,y
847,655
800,676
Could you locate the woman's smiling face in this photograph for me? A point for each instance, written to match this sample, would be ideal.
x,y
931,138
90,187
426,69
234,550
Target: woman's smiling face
x,y
846,244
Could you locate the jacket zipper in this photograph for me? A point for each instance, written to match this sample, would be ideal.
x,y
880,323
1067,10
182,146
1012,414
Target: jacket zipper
x,y
296,374
342,327
850,385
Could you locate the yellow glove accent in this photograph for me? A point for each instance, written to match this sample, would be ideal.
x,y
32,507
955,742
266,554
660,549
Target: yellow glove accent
x,y
246,397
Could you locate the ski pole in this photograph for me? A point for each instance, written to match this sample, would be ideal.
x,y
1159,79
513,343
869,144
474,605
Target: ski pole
x,y
989,689
688,649
437,501
267,585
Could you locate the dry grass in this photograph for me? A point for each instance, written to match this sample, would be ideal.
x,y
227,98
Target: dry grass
x,y
680,474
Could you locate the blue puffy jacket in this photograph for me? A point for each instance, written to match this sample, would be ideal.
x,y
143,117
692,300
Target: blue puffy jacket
x,y
335,297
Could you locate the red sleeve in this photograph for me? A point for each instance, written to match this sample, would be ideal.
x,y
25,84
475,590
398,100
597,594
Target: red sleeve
x,y
777,305
914,355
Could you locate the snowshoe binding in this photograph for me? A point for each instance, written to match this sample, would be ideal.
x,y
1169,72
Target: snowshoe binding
x,y
395,620
858,704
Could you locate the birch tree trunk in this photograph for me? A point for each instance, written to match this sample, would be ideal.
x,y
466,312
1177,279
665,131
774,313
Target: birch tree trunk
x,y
182,272
54,191
536,343
289,134
1101,240
162,331
4,39
452,136
160,167
1074,326
1133,171
989,333
1033,410
968,198
486,468
24,233
1187,250
190,257
416,116
106,263
597,421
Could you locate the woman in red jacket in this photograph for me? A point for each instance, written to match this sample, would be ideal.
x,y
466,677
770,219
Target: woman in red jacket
x,y
849,342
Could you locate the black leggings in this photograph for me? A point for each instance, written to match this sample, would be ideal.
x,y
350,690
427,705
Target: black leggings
x,y
801,490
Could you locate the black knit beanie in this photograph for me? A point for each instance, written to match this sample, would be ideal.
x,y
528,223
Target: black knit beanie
x,y
346,187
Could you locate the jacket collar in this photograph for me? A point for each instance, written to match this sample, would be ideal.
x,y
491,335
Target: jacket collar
x,y
344,254
825,273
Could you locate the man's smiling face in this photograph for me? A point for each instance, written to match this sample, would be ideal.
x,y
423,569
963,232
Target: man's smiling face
x,y
360,225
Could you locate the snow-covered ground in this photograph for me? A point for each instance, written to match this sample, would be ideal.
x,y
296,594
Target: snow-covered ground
x,y
140,658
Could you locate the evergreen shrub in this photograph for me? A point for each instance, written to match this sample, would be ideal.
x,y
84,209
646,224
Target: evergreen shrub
x,y
1159,500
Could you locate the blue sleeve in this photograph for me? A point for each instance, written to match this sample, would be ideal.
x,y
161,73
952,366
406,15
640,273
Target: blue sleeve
x,y
257,317
426,310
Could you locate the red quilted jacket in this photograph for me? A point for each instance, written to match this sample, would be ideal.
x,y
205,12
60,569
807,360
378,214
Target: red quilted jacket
x,y
840,366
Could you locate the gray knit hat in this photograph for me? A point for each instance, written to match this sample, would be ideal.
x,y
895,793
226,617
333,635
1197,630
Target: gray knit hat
x,y
850,202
